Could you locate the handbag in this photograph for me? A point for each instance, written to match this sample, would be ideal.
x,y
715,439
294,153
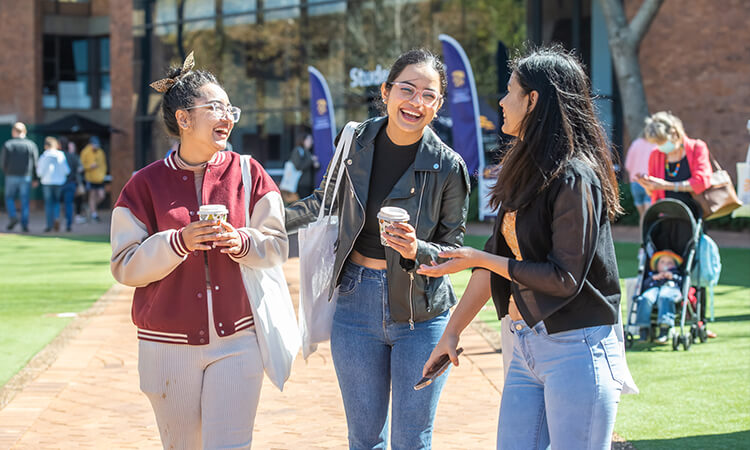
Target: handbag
x,y
290,178
720,199
273,311
317,258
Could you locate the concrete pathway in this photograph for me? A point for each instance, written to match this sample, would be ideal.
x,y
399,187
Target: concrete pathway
x,y
88,396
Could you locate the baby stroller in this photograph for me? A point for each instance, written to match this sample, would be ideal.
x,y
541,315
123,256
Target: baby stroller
x,y
669,224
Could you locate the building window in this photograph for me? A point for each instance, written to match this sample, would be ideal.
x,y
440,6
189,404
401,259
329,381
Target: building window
x,y
76,73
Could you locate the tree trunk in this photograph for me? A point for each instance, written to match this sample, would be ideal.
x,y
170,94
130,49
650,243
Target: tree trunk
x,y
624,41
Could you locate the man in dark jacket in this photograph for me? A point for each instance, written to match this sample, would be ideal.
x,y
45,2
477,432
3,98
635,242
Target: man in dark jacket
x,y
18,159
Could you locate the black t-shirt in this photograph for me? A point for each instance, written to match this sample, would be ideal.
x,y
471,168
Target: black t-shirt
x,y
389,162
682,174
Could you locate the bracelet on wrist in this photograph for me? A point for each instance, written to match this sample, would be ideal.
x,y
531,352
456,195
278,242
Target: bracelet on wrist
x,y
676,186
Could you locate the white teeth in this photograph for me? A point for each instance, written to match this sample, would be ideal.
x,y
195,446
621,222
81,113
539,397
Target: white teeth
x,y
411,113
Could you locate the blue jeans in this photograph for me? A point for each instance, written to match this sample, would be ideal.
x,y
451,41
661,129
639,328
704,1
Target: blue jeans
x,y
665,296
640,197
375,358
562,389
51,202
68,195
18,186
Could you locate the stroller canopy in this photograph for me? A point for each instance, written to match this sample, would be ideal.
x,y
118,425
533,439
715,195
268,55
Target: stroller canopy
x,y
669,224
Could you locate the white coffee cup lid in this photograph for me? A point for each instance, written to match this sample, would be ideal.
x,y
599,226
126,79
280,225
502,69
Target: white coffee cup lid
x,y
215,209
393,214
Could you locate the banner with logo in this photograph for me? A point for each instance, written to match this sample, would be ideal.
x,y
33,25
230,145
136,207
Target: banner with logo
x,y
323,121
464,109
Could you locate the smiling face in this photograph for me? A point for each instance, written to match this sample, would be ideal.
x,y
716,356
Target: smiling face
x,y
665,263
408,117
515,104
201,127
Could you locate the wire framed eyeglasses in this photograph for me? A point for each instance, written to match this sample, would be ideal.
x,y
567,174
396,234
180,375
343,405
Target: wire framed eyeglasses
x,y
407,91
220,110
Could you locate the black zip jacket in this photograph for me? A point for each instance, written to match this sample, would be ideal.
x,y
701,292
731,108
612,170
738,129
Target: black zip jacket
x,y
568,276
435,192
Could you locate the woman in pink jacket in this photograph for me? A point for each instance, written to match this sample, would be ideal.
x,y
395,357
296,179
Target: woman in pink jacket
x,y
679,166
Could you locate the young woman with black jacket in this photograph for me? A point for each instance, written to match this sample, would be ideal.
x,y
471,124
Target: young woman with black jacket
x,y
550,263
388,318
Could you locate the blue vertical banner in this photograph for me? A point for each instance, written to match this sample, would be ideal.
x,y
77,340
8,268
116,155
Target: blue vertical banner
x,y
323,121
464,109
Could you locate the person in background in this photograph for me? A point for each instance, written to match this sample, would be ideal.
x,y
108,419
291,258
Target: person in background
x,y
52,170
74,180
636,163
305,161
681,165
550,263
17,160
199,361
662,287
94,162
387,317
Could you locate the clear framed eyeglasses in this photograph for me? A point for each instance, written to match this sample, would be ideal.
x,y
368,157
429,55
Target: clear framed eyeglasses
x,y
220,110
407,91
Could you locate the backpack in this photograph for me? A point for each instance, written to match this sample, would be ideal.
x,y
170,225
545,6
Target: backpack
x,y
707,269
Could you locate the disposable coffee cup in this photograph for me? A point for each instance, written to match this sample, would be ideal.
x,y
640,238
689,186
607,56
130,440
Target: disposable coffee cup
x,y
389,215
213,212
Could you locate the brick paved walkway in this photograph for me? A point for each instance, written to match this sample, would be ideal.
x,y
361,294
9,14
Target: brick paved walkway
x,y
88,397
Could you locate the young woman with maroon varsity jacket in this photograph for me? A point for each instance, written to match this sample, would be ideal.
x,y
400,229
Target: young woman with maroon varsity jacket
x,y
198,355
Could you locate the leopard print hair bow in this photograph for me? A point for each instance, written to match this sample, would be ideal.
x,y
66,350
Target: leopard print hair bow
x,y
164,84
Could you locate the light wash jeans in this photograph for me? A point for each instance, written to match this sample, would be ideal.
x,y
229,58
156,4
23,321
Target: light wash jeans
x,y
375,358
52,196
665,297
562,389
18,186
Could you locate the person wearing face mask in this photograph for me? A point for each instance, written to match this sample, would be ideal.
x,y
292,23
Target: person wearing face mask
x,y
680,165
388,318
198,356
549,264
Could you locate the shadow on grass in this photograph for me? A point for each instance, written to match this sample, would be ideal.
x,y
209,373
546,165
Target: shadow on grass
x,y
736,318
710,441
78,238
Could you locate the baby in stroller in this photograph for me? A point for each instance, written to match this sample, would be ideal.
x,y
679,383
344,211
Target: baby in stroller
x,y
662,287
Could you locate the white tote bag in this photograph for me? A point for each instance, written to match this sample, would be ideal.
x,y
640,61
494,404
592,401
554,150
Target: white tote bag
x,y
316,260
273,311
743,187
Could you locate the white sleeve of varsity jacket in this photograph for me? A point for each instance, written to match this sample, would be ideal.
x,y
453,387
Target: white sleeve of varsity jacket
x,y
139,259
264,242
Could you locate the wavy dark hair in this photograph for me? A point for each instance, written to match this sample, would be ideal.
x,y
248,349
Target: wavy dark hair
x,y
182,94
562,126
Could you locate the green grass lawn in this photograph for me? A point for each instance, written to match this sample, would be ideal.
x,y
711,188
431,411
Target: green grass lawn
x,y
41,277
699,399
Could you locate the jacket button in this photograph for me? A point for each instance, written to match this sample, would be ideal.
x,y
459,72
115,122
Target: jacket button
x,y
184,178
202,340
201,332
349,162
412,191
195,253
221,324
519,327
192,213
216,288
200,295
222,331
436,166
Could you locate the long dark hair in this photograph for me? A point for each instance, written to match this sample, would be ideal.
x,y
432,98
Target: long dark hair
x,y
561,127
182,94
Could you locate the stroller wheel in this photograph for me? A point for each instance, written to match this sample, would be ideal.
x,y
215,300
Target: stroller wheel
x,y
702,332
629,340
675,341
694,332
687,340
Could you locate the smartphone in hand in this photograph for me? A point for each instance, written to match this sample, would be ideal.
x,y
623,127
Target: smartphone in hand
x,y
437,369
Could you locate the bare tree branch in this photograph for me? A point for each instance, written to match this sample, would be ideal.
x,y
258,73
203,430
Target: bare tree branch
x,y
643,18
